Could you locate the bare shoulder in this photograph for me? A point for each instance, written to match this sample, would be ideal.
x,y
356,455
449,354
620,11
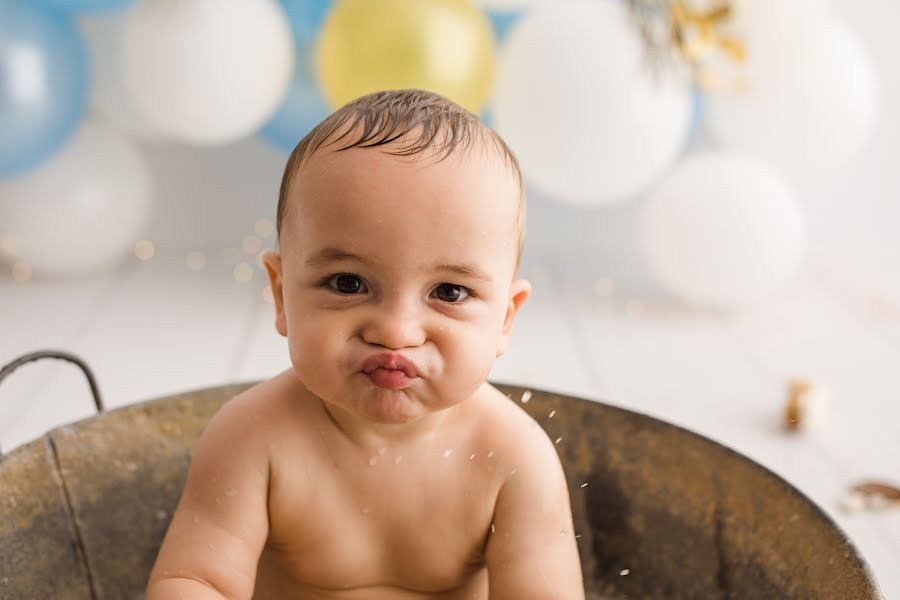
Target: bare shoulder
x,y
516,438
272,407
531,552
221,523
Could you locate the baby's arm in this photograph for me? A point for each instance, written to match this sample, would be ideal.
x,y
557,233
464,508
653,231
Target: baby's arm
x,y
531,553
219,529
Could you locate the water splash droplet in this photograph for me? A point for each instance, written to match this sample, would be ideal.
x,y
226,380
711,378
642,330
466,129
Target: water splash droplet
x,y
472,457
448,452
526,396
382,451
397,460
373,460
552,412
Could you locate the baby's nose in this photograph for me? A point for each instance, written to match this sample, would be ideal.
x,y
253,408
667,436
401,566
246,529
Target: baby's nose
x,y
394,326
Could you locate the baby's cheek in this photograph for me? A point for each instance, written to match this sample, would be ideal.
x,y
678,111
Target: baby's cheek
x,y
472,361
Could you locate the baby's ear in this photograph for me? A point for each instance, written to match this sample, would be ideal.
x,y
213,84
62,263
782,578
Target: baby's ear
x,y
272,262
518,293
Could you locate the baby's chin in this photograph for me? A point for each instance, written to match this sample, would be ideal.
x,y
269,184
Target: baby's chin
x,y
388,407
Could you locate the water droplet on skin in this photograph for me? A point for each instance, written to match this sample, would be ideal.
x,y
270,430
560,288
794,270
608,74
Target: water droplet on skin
x,y
448,452
472,457
491,454
382,451
373,460
397,460
231,492
513,472
563,531
492,528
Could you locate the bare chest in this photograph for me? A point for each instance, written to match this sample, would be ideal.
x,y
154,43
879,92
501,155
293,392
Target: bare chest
x,y
415,522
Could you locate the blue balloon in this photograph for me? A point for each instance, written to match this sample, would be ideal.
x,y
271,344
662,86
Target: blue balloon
x,y
306,16
698,109
502,21
86,6
304,106
43,83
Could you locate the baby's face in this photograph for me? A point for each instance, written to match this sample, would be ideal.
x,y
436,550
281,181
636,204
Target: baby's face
x,y
399,255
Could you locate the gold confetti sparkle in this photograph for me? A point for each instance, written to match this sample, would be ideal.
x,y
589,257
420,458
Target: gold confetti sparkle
x,y
251,244
9,245
195,260
144,249
243,272
231,256
263,228
635,308
604,287
21,271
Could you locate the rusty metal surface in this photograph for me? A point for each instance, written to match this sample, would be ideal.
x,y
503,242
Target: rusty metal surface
x,y
687,517
125,470
39,552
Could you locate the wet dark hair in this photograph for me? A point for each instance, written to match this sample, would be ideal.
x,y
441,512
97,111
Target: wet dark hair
x,y
419,121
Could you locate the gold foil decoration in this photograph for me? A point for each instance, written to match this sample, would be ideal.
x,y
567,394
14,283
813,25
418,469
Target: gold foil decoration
x,y
673,30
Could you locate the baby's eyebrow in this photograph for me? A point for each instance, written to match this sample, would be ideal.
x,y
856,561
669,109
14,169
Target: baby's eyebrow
x,y
331,254
326,255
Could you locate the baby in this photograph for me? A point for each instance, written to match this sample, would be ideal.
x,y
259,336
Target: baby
x,y
382,464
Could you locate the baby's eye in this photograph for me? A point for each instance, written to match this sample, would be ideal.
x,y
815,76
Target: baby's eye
x,y
451,292
346,283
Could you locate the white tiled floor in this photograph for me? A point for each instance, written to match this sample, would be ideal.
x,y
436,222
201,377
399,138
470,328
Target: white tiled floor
x,y
155,328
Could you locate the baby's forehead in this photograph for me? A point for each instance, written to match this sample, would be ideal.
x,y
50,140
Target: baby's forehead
x,y
385,173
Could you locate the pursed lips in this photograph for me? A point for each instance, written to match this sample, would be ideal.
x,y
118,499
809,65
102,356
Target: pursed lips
x,y
390,360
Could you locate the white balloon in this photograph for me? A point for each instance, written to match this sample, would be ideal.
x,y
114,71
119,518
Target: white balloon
x,y
83,210
723,230
110,99
809,97
577,102
208,71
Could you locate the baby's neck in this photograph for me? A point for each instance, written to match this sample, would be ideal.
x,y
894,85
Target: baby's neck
x,y
372,437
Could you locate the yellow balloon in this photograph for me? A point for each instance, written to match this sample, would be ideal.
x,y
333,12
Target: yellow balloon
x,y
444,46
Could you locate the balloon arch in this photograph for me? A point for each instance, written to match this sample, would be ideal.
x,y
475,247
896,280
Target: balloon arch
x,y
84,82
